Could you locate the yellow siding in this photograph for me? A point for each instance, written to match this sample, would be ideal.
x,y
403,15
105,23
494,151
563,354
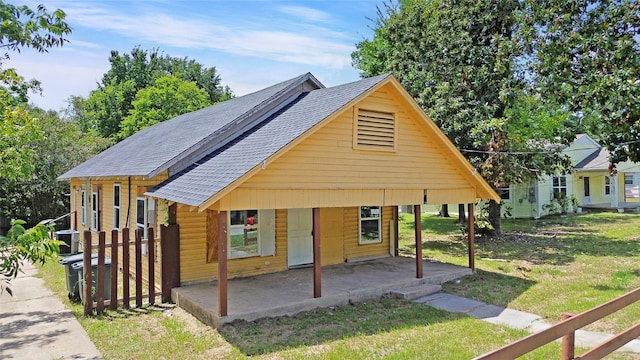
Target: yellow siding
x,y
106,214
331,231
353,250
326,163
193,250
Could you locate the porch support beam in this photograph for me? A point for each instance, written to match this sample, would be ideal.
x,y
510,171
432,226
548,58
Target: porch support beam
x,y
317,276
417,211
222,263
472,263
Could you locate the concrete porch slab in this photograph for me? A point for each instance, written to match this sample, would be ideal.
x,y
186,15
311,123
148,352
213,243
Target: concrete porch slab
x,y
290,292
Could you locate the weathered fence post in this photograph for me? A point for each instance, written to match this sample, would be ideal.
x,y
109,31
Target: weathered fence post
x,y
113,305
170,266
86,259
100,286
138,249
151,250
568,342
126,292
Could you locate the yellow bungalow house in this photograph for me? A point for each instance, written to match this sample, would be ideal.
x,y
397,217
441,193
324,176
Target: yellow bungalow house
x,y
290,175
590,185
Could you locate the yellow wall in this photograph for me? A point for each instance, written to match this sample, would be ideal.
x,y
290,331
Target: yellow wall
x,y
106,215
337,224
326,164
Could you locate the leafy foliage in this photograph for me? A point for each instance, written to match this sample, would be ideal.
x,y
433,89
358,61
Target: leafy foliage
x,y
114,99
21,26
461,61
20,244
44,146
587,57
168,98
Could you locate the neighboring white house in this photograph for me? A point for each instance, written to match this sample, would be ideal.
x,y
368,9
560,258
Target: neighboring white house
x,y
589,186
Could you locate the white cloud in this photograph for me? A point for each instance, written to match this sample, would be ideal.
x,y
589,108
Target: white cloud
x,y
305,13
318,47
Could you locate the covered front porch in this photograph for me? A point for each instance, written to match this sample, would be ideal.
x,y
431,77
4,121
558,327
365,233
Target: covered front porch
x,y
290,292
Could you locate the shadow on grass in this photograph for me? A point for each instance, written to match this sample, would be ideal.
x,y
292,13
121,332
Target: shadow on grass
x,y
551,241
325,325
490,287
431,224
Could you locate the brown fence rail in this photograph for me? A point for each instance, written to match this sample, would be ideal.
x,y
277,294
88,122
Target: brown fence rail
x,y
566,328
94,295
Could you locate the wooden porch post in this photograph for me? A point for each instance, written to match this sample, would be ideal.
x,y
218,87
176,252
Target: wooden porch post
x,y
222,263
417,210
396,235
472,263
317,275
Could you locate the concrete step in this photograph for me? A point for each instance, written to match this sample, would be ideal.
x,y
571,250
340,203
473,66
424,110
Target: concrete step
x,y
416,292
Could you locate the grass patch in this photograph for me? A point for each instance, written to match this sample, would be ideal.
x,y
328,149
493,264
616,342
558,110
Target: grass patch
x,y
549,266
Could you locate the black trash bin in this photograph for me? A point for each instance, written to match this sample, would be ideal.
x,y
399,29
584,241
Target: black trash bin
x,y
72,275
79,268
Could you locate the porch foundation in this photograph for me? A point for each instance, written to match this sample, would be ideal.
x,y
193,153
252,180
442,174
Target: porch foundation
x,y
290,292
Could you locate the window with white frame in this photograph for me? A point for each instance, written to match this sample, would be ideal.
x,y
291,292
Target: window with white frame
x,y
243,233
559,187
370,225
141,215
83,207
607,185
95,212
251,233
116,206
628,179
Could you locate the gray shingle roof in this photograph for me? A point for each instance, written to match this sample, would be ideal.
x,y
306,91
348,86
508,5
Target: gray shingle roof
x,y
598,160
155,148
199,182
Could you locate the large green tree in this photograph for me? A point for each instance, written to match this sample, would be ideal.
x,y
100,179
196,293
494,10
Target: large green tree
x,y
168,98
108,105
22,27
461,61
586,56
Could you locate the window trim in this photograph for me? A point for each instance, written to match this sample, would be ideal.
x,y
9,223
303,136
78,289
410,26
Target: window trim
x,y
144,211
117,207
607,185
361,219
83,207
243,227
560,187
95,211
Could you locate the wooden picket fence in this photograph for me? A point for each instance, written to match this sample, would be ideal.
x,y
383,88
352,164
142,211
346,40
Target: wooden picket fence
x,y
120,291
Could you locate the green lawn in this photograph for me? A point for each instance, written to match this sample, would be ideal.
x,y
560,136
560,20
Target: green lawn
x,y
549,266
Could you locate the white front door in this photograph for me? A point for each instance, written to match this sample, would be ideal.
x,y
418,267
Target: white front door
x,y
300,239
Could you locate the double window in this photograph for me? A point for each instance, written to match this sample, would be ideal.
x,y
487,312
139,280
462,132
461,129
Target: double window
x,y
559,187
370,222
116,206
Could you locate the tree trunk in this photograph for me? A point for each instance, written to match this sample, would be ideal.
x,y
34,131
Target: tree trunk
x,y
494,217
462,215
444,210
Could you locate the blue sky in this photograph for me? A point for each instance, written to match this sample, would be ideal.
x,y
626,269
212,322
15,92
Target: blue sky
x,y
252,43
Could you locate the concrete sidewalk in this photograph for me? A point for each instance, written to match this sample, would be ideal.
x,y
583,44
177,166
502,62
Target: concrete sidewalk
x,y
514,319
35,324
